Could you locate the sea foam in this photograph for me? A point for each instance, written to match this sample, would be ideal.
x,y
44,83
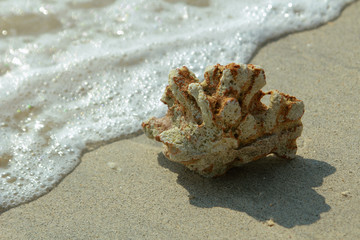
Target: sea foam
x,y
75,74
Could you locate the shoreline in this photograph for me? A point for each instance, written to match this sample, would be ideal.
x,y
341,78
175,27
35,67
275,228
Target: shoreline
x,y
128,189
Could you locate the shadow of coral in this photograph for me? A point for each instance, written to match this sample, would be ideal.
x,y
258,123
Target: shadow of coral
x,y
270,188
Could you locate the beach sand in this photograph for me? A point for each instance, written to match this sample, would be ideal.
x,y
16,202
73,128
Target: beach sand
x,y
128,189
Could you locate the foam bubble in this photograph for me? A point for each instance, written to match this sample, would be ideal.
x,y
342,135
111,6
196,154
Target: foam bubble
x,y
71,78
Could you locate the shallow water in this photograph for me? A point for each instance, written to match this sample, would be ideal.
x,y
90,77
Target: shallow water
x,y
77,73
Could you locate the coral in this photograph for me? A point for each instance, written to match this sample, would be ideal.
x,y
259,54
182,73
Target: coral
x,y
221,122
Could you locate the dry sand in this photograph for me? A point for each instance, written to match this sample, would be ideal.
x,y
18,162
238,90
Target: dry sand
x,y
315,196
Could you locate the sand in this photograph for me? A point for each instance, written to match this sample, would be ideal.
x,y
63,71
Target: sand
x,y
128,189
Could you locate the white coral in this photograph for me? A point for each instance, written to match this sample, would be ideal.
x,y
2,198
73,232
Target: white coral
x,y
220,123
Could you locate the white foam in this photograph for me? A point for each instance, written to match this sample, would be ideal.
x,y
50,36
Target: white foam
x,y
75,73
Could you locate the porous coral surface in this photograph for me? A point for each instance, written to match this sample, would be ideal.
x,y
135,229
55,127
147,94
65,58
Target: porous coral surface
x,y
221,122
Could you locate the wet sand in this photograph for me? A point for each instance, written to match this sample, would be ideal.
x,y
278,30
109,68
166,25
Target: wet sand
x,y
128,189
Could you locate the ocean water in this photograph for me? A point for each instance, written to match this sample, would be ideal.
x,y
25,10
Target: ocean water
x,y
74,74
